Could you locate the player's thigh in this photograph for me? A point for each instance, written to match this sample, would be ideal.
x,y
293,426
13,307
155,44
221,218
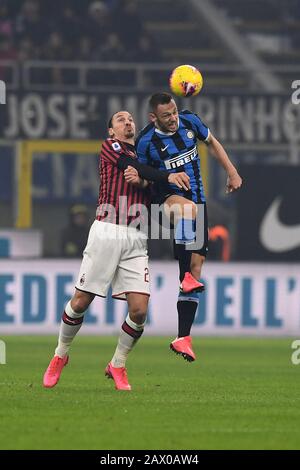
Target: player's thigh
x,y
100,259
137,306
177,207
132,274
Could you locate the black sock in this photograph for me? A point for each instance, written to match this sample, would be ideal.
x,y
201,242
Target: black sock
x,y
184,259
186,314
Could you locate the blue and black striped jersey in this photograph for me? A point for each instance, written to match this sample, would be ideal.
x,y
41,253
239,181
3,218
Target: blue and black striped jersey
x,y
176,152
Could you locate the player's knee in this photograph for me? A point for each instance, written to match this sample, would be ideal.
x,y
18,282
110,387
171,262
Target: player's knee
x,y
137,307
138,317
194,210
189,210
79,305
138,314
80,302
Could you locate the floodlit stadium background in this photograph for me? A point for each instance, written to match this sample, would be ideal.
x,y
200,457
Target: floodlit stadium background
x,y
66,71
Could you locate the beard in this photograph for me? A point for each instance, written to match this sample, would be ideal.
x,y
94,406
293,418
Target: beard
x,y
129,133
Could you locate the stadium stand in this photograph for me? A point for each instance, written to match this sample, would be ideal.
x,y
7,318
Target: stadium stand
x,y
130,46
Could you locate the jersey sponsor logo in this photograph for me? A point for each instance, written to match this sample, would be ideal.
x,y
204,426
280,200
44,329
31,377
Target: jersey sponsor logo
x,y
181,159
164,148
116,146
82,279
276,236
190,134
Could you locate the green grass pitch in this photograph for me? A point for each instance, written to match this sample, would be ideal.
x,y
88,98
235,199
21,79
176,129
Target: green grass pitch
x,y
241,393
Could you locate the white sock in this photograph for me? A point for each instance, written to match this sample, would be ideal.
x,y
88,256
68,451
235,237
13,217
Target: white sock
x,y
129,335
70,325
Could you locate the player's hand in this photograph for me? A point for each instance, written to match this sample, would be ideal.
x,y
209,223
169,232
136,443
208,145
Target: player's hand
x,y
234,182
182,180
131,175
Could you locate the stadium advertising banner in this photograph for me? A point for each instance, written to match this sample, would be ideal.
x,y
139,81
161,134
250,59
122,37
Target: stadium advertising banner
x,y
240,299
269,217
239,118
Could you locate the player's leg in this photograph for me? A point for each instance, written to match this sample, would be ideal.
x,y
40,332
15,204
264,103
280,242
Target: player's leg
x,y
72,320
132,328
187,303
131,331
182,212
131,280
100,261
186,307
71,323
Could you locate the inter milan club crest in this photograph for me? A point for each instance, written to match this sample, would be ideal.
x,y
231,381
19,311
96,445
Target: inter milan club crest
x,y
190,134
82,279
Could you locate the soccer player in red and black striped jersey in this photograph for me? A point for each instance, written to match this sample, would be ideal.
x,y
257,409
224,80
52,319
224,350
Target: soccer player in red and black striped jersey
x,y
116,253
112,207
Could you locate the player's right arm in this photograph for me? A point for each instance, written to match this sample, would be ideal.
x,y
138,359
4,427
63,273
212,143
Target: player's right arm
x,y
234,181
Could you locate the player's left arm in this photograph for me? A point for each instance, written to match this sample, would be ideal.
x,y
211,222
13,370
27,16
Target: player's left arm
x,y
234,181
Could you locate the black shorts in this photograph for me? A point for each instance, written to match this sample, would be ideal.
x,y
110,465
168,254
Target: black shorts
x,y
161,191
204,249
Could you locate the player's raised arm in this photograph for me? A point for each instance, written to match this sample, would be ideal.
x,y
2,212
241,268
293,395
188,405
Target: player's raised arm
x,y
234,181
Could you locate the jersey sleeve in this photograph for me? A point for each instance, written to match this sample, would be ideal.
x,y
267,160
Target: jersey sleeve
x,y
144,171
111,151
202,131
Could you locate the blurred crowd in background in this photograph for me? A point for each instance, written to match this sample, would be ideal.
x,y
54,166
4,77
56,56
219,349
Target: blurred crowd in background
x,y
49,51
106,30
89,30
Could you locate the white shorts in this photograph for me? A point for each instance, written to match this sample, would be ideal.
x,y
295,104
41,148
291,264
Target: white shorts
x,y
116,256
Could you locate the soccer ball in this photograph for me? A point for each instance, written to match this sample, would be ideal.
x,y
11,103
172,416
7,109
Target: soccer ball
x,y
186,80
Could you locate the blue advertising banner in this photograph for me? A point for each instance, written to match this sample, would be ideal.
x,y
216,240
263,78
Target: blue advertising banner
x,y
240,299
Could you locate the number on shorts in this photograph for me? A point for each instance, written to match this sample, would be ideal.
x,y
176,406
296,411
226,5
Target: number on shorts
x,y
146,275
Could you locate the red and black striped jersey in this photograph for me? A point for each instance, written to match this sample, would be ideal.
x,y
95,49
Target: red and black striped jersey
x,y
119,202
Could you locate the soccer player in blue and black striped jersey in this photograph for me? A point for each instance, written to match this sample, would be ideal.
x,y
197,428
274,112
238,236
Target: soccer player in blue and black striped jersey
x,y
169,143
